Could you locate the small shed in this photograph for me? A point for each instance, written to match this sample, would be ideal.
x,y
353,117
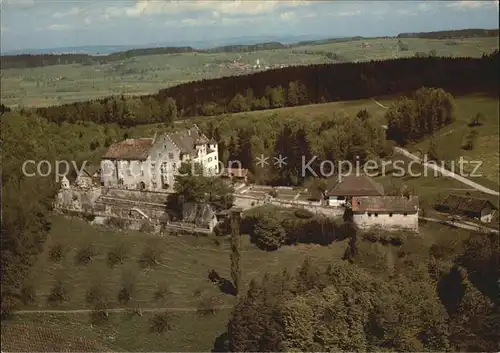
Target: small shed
x,y
472,207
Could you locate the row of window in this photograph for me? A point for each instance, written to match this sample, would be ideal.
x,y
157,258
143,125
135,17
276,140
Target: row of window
x,y
390,214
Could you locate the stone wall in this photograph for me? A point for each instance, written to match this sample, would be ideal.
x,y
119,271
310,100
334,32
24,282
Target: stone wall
x,y
385,221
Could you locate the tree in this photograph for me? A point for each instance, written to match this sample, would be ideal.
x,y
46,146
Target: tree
x,y
477,120
363,115
238,104
235,251
470,140
169,111
296,94
433,153
268,233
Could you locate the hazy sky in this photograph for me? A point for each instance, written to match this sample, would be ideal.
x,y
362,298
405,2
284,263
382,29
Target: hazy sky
x,y
61,23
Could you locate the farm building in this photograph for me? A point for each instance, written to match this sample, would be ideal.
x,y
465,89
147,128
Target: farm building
x,y
350,186
388,212
152,163
467,206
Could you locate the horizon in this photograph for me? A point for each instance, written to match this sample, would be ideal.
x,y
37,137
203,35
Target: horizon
x,y
143,23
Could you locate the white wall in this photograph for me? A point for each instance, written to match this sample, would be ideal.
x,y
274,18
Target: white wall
x,y
487,215
384,220
335,202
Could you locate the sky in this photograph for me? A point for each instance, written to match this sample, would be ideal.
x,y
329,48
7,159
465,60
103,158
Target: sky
x,y
39,24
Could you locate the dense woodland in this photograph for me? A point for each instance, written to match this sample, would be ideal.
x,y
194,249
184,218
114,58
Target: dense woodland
x,y
454,34
445,299
287,87
40,60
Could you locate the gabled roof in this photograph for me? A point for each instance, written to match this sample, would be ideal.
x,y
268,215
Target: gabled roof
x,y
130,149
89,170
187,139
391,204
466,203
356,185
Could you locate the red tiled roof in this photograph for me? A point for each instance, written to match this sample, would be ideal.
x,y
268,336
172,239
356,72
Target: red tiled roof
x,y
396,204
466,203
356,185
130,149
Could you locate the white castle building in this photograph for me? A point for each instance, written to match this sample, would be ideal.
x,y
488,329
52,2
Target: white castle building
x,y
152,163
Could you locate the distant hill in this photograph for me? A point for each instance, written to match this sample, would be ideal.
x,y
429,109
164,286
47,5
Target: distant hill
x,y
90,55
453,34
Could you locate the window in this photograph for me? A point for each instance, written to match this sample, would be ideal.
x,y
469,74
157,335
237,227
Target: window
x,y
369,214
142,172
129,172
165,146
215,158
376,214
155,184
159,154
405,214
170,156
209,159
390,214
174,166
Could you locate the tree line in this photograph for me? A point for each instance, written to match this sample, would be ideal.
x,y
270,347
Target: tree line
x,y
288,87
409,298
459,33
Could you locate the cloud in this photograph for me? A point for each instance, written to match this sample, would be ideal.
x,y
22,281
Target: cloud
x,y
74,11
287,16
346,13
59,27
472,4
221,7
18,3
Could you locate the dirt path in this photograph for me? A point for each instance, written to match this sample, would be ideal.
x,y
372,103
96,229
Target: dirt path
x,y
117,310
446,172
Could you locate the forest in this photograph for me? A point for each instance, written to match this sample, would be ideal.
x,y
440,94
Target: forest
x,y
453,34
287,87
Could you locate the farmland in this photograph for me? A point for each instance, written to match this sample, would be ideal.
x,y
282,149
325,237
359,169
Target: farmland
x,y
61,84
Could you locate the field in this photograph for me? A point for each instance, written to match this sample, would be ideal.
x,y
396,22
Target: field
x,y
141,75
183,267
183,270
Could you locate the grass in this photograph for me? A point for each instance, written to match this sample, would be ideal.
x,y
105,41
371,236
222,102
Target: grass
x,y
183,267
451,139
61,84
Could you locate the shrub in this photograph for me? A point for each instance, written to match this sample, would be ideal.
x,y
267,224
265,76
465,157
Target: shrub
x,y
147,227
273,193
303,213
128,288
208,305
28,293
115,222
161,322
99,315
59,292
397,239
150,256
162,292
84,255
371,236
96,294
117,255
268,233
56,252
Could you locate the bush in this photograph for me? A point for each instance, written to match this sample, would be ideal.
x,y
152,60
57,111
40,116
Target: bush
x,y
85,255
371,236
161,322
150,256
208,305
268,233
96,294
147,227
59,292
128,288
117,255
397,239
28,293
118,223
56,252
303,213
99,315
162,292
273,193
